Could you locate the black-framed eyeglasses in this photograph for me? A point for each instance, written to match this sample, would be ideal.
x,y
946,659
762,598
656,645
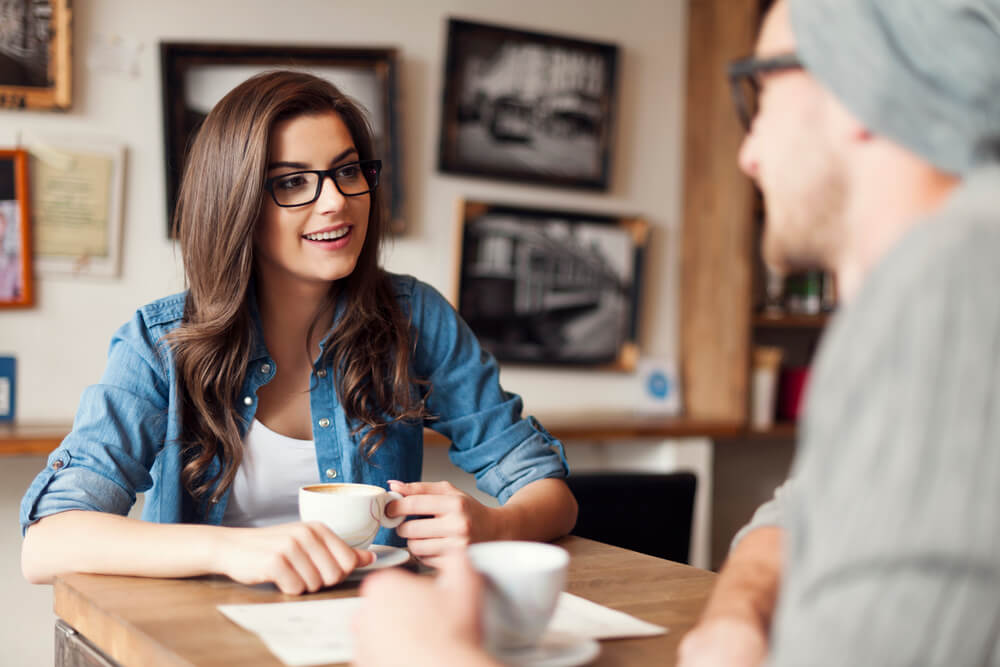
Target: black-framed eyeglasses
x,y
304,187
745,81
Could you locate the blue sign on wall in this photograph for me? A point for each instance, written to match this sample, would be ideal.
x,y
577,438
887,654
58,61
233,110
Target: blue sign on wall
x,y
8,373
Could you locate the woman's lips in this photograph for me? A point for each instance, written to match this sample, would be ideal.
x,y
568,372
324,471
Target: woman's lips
x,y
333,239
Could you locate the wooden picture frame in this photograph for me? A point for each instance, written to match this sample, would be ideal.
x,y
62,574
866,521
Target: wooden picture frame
x,y
527,106
35,60
16,284
196,75
549,287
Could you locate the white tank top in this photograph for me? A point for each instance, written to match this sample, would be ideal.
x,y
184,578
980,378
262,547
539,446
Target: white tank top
x,y
265,490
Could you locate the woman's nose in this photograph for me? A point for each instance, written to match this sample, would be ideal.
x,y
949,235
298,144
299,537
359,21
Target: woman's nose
x,y
330,198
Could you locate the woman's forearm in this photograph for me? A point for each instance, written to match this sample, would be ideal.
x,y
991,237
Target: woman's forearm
x,y
102,543
543,510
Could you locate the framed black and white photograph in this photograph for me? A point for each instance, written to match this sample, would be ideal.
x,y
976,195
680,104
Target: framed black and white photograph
x,y
551,287
35,65
197,75
16,287
527,106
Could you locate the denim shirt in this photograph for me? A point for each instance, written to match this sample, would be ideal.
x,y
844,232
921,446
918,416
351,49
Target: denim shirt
x,y
124,439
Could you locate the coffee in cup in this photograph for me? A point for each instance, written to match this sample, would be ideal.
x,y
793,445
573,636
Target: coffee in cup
x,y
523,583
355,512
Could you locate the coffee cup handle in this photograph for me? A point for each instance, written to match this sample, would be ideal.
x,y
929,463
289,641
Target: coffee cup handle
x,y
391,521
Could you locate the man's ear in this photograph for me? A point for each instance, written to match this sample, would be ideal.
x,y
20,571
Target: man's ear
x,y
845,126
861,133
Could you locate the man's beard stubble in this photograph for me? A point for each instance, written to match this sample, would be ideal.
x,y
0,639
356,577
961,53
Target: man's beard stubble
x,y
805,230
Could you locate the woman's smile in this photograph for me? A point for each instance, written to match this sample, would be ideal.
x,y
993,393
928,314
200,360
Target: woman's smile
x,y
330,239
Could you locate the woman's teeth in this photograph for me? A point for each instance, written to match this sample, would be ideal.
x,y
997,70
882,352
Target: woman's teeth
x,y
328,236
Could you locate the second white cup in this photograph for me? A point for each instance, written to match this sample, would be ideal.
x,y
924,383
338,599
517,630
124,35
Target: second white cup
x,y
523,583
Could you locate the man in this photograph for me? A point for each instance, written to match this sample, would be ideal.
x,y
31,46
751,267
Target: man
x,y
875,139
877,123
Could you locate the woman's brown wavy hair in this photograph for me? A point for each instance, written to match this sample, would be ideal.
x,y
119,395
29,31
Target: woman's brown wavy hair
x,y
218,208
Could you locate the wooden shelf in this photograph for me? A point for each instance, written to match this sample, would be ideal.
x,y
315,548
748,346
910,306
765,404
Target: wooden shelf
x,y
788,321
621,426
43,438
778,431
31,438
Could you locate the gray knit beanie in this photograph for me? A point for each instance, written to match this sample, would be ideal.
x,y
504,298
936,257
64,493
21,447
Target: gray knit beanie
x,y
923,73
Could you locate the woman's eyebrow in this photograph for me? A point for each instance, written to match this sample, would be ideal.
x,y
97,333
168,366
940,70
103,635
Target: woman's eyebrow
x,y
340,157
289,165
302,165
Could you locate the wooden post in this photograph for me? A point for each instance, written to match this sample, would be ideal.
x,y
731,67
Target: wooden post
x,y
718,227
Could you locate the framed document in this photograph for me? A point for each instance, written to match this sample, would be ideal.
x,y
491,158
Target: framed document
x,y
76,197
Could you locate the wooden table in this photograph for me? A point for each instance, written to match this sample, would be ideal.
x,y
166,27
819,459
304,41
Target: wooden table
x,y
148,622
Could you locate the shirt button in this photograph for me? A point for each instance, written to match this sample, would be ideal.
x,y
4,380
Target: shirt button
x,y
57,464
324,422
331,473
247,400
265,368
321,373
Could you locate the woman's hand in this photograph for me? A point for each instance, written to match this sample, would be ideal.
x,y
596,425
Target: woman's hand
x,y
296,557
456,519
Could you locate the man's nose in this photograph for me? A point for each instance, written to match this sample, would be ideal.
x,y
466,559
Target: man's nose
x,y
748,156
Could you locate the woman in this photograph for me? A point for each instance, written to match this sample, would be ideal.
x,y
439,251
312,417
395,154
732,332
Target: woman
x,y
292,357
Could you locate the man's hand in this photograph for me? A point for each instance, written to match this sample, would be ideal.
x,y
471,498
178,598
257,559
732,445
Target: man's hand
x,y
723,642
735,625
417,621
456,519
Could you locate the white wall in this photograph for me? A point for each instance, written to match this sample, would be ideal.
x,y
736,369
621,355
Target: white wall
x,y
61,343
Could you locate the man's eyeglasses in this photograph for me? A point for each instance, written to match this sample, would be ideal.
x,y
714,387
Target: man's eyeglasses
x,y
745,81
303,187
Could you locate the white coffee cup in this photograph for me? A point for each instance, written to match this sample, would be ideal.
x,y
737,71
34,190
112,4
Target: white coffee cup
x,y
523,583
354,512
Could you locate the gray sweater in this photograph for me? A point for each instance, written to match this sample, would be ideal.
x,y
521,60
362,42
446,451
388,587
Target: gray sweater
x,y
892,511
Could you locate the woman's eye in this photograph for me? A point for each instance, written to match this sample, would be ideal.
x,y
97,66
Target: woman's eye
x,y
349,172
291,183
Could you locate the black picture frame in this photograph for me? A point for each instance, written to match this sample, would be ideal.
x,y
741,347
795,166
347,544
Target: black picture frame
x,y
548,287
367,74
527,106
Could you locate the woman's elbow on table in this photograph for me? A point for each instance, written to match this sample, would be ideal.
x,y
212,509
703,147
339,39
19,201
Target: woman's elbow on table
x,y
33,561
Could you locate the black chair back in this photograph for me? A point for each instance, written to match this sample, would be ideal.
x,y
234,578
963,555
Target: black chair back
x,y
646,512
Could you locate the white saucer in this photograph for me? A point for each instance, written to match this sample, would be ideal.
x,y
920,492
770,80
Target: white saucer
x,y
385,556
554,649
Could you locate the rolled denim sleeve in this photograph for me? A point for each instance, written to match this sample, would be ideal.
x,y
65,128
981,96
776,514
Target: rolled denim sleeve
x,y
490,438
119,428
